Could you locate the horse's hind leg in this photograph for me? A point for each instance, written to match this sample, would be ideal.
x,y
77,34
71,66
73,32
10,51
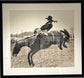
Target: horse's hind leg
x,y
60,45
64,44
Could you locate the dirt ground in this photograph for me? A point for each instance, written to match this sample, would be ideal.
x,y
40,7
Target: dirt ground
x,y
51,57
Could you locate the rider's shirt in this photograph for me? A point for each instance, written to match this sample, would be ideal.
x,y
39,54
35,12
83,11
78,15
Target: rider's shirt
x,y
47,26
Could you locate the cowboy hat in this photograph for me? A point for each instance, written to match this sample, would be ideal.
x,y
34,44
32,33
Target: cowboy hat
x,y
49,18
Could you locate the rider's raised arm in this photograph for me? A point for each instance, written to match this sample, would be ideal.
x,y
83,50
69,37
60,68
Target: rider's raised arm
x,y
55,21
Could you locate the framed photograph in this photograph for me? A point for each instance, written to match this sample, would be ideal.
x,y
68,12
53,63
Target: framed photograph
x,y
41,38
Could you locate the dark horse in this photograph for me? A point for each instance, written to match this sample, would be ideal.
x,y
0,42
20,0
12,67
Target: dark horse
x,y
42,42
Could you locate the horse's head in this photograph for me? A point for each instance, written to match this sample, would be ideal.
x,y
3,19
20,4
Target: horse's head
x,y
21,43
16,49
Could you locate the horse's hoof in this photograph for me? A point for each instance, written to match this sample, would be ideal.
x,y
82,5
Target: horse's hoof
x,y
33,64
61,48
65,46
30,64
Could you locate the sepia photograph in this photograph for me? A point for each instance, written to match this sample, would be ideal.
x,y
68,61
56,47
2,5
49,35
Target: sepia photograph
x,y
44,38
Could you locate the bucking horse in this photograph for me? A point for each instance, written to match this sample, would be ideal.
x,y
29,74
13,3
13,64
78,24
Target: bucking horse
x,y
36,43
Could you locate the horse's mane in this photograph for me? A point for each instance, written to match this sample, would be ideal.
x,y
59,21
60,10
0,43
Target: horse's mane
x,y
26,38
33,36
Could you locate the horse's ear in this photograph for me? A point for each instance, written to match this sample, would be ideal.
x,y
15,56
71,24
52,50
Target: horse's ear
x,y
13,41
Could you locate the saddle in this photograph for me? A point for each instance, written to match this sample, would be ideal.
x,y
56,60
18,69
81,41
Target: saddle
x,y
41,32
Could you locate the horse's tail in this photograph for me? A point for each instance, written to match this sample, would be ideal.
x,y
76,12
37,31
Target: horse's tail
x,y
67,35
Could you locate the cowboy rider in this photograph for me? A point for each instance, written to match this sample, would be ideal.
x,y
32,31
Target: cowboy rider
x,y
46,27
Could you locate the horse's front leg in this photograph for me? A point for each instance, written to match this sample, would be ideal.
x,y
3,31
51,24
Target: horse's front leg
x,y
32,57
29,59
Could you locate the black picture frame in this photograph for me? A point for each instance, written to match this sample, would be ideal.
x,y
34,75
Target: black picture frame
x,y
39,1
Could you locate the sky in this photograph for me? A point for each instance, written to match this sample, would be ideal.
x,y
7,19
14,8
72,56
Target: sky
x,y
29,20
